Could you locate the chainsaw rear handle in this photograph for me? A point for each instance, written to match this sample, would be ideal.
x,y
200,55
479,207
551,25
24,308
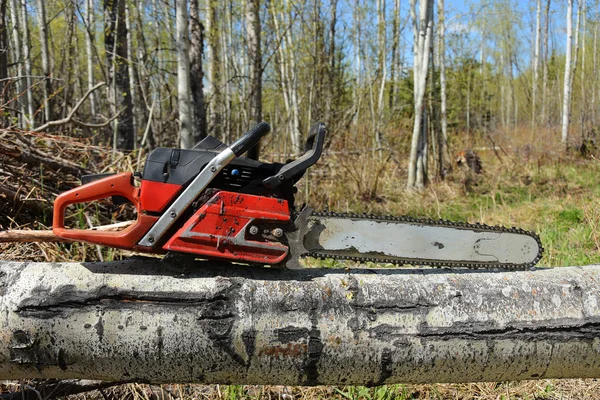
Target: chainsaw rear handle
x,y
113,185
250,139
314,148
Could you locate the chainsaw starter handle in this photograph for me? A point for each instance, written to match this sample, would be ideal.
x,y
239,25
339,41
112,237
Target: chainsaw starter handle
x,y
250,139
114,185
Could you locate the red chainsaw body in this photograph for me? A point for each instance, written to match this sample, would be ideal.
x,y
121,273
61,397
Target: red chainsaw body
x,y
218,229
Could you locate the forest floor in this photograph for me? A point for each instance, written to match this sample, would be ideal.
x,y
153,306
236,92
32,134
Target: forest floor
x,y
535,187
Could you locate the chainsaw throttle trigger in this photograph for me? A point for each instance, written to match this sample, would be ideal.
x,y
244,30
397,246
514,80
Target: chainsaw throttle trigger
x,y
314,146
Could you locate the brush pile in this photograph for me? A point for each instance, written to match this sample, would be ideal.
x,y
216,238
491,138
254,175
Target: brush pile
x,y
34,169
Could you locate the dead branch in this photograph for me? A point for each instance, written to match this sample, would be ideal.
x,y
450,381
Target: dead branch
x,y
69,117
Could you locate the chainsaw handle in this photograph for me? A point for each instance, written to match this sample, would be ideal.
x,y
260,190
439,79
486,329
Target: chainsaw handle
x,y
114,185
314,148
250,139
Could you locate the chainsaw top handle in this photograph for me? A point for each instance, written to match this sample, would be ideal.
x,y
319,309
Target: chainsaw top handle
x,y
250,139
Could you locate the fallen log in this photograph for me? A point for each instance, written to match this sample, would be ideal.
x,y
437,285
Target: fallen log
x,y
151,321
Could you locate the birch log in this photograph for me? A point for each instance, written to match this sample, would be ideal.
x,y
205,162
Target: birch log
x,y
146,320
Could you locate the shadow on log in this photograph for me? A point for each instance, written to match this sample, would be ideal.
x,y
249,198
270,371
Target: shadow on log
x,y
148,321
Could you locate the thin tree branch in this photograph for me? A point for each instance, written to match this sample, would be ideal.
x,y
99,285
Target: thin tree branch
x,y
69,117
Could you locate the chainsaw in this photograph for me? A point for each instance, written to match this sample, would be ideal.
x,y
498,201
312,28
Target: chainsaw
x,y
210,202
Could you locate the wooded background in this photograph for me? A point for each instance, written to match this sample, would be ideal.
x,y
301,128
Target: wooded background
x,y
380,73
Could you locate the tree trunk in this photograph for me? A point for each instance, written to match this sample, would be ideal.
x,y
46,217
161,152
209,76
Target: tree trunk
x,y
132,76
147,93
197,74
17,61
220,323
423,32
545,112
536,63
214,57
356,95
255,56
443,97
26,43
115,42
583,95
332,101
46,68
567,80
4,49
90,35
183,77
395,51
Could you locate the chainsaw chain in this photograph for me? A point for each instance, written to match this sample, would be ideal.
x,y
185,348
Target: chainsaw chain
x,y
428,222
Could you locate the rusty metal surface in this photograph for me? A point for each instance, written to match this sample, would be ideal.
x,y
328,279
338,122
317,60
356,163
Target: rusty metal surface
x,y
215,323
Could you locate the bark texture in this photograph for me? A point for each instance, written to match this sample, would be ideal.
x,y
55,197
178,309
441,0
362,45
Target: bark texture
x,y
146,320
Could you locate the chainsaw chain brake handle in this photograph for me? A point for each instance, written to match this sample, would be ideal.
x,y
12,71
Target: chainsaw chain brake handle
x,y
113,185
313,148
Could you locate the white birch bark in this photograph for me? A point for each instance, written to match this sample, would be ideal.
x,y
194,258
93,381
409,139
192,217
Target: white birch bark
x,y
442,67
545,113
423,32
131,73
184,97
395,64
296,134
536,63
382,39
567,80
89,47
583,102
215,323
357,64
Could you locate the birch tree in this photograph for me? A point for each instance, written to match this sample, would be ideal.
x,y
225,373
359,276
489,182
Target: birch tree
x,y
536,62
395,54
253,27
567,80
442,67
423,32
90,33
46,69
545,112
132,74
214,78
197,73
183,76
287,72
26,43
17,61
115,34
4,49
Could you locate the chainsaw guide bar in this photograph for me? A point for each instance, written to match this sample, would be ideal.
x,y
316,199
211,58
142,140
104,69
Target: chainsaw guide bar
x,y
525,247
